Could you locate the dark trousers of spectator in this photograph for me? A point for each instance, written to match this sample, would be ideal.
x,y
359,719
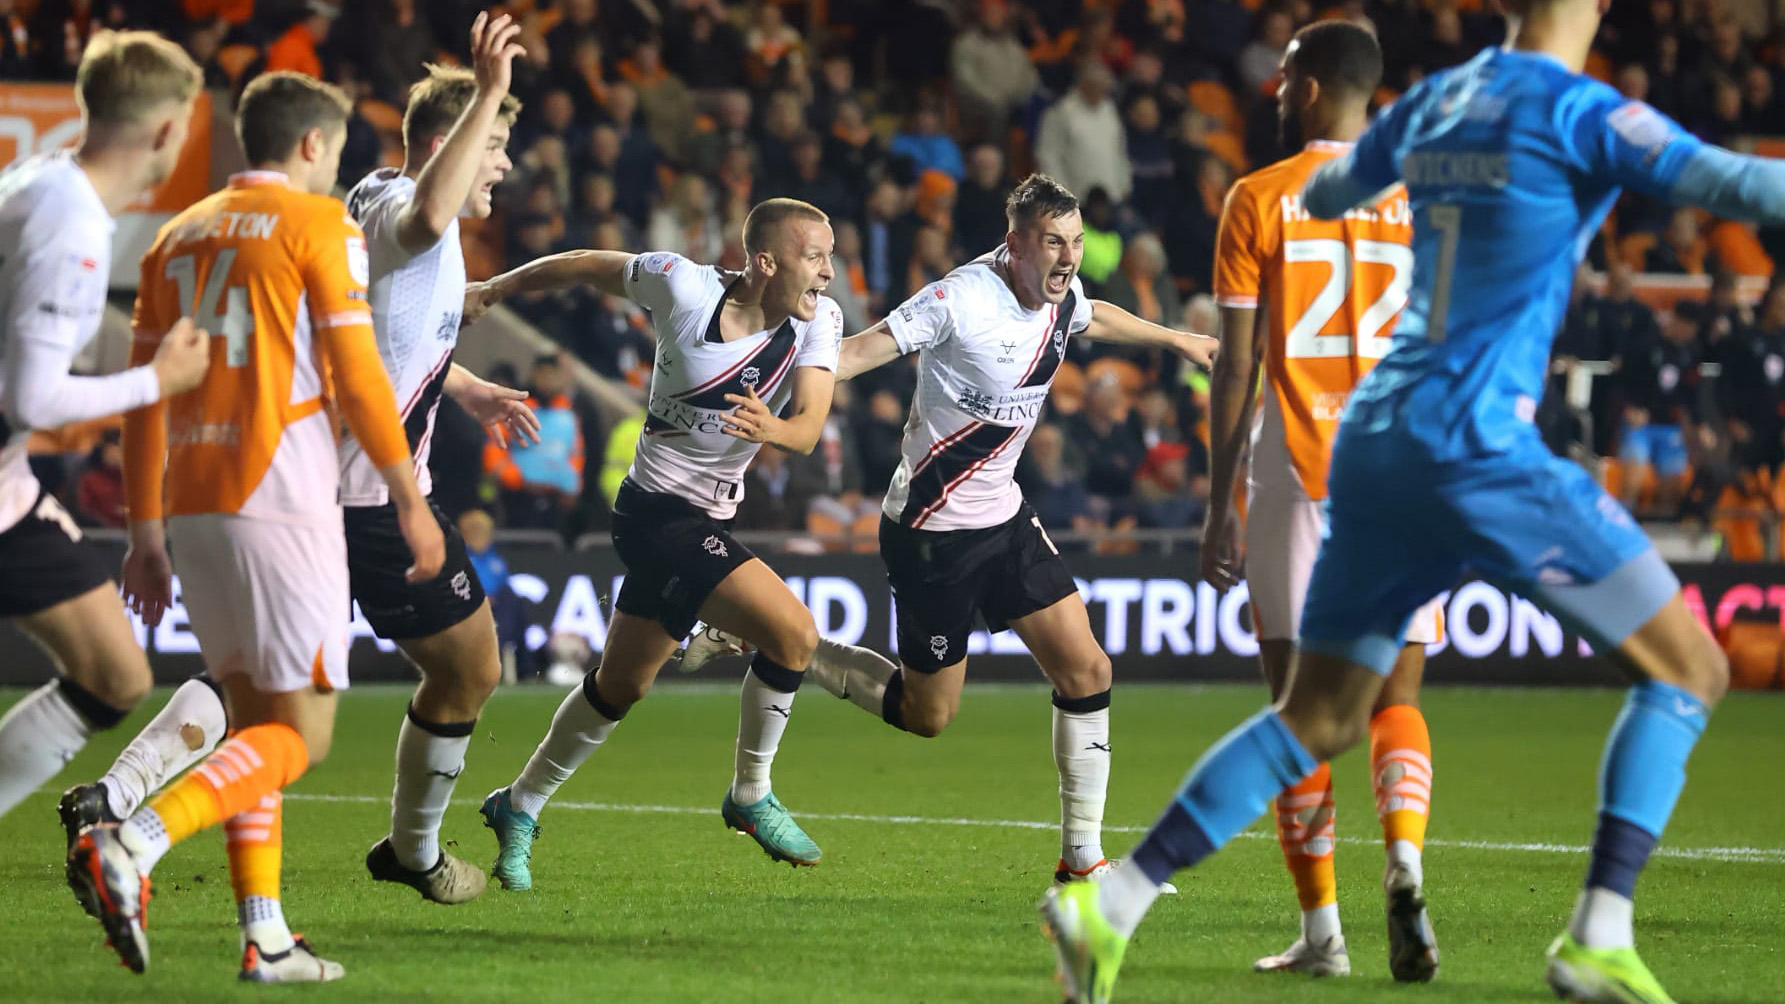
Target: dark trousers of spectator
x,y
524,510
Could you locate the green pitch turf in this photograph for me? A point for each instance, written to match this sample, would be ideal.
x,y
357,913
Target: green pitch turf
x,y
935,853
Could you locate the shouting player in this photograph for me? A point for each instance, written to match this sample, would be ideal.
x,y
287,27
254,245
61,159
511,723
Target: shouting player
x,y
735,352
959,542
242,474
457,128
1511,162
1329,293
135,91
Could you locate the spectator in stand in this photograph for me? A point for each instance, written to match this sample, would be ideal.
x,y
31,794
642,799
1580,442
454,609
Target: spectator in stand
x,y
665,101
731,127
1444,45
686,223
634,170
1107,437
1673,88
1081,143
931,259
1632,81
1751,390
1659,380
580,22
773,498
1141,286
772,44
1190,231
1726,55
831,475
556,119
1057,494
618,454
811,181
1103,245
507,607
888,237
1681,250
1150,159
57,34
1167,496
391,47
1723,124
993,77
15,43
99,494
1258,61
540,482
1146,77
1762,114
595,208
927,147
635,166
738,182
979,221
1158,422
704,49
783,119
850,287
296,49
835,84
879,433
850,148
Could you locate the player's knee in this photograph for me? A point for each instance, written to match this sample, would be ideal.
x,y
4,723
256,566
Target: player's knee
x,y
1095,675
927,719
793,643
622,693
1325,731
318,743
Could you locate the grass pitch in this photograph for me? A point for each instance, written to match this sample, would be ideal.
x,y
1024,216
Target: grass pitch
x,y
935,853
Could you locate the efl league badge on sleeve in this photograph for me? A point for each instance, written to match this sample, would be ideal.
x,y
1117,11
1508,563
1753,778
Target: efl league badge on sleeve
x,y
359,264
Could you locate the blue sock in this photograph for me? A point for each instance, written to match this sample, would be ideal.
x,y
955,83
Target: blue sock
x,y
1231,786
1640,780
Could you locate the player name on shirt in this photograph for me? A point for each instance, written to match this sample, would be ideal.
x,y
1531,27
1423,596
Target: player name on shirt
x,y
986,364
683,449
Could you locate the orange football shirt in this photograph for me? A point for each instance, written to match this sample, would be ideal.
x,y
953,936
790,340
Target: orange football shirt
x,y
1330,293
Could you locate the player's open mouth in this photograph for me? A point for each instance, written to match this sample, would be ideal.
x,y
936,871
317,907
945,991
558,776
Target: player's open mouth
x,y
810,296
1058,281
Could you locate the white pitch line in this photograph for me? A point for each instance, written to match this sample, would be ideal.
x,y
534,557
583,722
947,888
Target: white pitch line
x,y
1744,855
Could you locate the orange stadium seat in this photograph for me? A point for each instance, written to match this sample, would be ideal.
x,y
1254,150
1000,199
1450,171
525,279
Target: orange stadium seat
x,y
234,61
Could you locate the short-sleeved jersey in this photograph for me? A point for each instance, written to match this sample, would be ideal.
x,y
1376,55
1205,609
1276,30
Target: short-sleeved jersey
x,y
1511,163
55,257
985,363
683,449
1329,292
264,268
416,303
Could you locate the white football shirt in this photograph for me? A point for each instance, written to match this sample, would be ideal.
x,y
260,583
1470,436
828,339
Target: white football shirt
x,y
416,303
683,450
55,259
985,363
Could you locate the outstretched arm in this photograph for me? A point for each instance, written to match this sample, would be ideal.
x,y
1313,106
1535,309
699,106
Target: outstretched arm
x,y
1112,324
869,350
605,270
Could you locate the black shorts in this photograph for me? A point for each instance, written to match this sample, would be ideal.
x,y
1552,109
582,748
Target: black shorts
x,y
944,582
675,556
42,562
378,557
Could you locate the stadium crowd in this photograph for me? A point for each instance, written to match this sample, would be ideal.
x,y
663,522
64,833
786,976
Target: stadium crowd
x,y
654,124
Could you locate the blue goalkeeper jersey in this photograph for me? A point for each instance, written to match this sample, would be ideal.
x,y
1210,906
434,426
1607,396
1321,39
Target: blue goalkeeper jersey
x,y
1511,163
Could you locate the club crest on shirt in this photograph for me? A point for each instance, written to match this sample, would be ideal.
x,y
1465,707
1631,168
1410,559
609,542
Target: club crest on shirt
x,y
752,376
974,402
449,327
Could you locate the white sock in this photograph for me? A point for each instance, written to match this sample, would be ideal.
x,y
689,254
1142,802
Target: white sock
x,y
263,922
1124,895
577,731
857,675
1320,924
429,761
763,714
1603,919
188,727
1403,854
38,736
1081,752
146,838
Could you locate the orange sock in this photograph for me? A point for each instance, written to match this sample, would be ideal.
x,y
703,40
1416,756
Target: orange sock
x,y
1401,770
256,843
258,761
1305,830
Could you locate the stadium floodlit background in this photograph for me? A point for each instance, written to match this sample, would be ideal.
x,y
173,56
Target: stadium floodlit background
x,y
654,124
